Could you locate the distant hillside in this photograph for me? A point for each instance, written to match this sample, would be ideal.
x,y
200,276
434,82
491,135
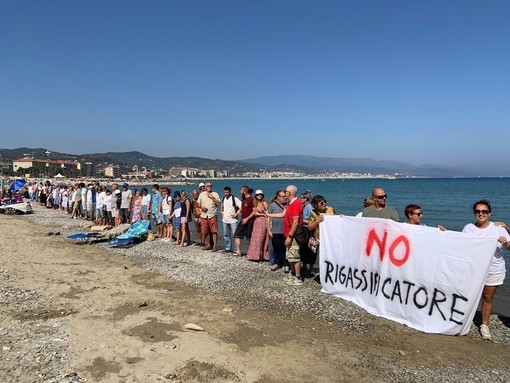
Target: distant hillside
x,y
129,159
356,165
296,163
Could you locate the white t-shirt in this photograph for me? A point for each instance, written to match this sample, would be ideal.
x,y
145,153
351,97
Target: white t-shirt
x,y
228,209
166,206
492,231
125,203
100,201
108,202
89,199
83,197
146,200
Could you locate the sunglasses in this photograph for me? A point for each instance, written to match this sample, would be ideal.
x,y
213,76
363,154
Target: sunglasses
x,y
418,214
380,196
482,211
322,203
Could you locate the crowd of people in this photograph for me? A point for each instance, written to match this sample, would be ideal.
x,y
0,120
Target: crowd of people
x,y
282,231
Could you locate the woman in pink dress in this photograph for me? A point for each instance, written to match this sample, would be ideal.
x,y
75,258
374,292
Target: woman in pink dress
x,y
259,243
136,207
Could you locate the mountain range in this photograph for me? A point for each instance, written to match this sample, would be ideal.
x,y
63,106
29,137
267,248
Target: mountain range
x,y
299,163
357,165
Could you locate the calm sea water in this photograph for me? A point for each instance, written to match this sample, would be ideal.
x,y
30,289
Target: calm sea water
x,y
446,202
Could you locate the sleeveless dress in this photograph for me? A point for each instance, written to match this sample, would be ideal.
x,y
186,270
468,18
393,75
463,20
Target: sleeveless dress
x,y
259,243
137,211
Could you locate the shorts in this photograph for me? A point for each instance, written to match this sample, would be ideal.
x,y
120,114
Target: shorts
x,y
77,205
209,224
177,223
100,213
495,279
184,220
165,218
125,214
115,212
244,230
292,253
144,210
157,218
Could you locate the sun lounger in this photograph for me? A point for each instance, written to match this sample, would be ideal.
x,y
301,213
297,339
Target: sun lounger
x,y
99,236
17,208
137,232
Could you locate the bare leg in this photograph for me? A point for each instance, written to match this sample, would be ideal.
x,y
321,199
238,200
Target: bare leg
x,y
199,231
184,234
237,241
215,241
296,266
487,301
169,231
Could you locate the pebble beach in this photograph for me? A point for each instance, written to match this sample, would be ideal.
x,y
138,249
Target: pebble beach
x,y
40,342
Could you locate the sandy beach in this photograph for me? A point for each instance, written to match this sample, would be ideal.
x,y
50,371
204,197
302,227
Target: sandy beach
x,y
86,313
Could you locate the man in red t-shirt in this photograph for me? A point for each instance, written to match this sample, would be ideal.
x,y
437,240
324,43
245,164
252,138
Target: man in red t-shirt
x,y
292,220
245,227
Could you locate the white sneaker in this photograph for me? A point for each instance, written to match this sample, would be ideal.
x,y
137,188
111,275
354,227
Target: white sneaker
x,y
484,331
295,281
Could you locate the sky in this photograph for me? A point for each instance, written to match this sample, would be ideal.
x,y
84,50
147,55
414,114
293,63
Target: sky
x,y
412,81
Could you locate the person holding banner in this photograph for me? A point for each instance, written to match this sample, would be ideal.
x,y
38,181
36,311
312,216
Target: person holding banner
x,y
503,225
497,271
413,214
381,209
320,208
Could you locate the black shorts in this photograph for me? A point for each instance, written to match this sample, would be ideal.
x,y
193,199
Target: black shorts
x,y
125,215
244,230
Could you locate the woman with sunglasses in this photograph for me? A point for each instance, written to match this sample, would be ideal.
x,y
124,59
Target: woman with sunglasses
x,y
320,208
497,270
413,214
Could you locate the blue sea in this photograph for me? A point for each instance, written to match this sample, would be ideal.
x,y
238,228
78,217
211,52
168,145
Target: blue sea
x,y
446,202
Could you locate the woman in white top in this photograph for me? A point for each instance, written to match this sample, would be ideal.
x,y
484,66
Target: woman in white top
x,y
146,200
497,270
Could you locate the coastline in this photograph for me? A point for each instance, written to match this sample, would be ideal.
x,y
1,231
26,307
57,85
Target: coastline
x,y
249,313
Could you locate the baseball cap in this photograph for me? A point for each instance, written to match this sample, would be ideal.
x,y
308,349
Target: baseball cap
x,y
125,185
201,184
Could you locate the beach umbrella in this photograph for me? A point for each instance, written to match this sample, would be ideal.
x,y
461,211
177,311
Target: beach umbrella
x,y
18,184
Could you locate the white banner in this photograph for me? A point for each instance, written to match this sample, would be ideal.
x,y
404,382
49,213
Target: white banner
x,y
419,276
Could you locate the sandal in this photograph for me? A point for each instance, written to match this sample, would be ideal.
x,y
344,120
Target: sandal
x,y
236,254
